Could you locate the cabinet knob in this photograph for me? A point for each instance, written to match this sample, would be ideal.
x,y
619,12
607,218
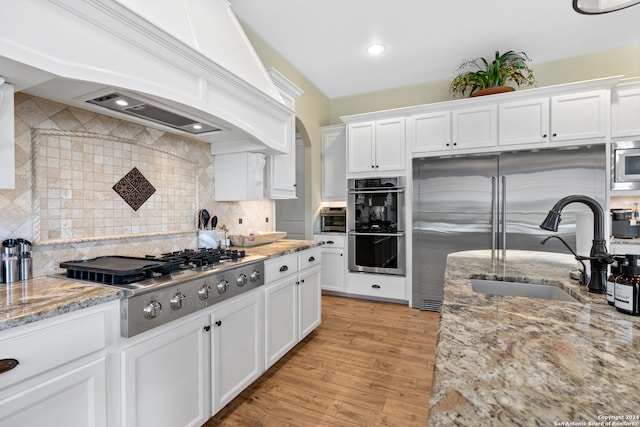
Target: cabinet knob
x,y
7,365
544,136
372,166
554,135
375,286
447,144
455,143
219,323
207,328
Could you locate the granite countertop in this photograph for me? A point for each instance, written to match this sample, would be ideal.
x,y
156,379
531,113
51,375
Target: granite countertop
x,y
520,361
43,297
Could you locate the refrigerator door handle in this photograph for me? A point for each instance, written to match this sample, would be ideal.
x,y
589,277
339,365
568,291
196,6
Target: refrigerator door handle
x,y
504,217
494,201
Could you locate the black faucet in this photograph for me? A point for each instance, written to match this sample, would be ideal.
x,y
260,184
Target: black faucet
x,y
598,256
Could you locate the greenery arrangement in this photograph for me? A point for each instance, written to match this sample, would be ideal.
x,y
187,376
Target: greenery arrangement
x,y
510,66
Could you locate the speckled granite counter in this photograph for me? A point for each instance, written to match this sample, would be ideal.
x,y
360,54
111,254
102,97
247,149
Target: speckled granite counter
x,y
520,361
43,297
279,248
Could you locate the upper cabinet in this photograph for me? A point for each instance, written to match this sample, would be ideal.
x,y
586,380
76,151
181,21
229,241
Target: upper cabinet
x,y
334,164
579,115
575,113
376,146
625,110
281,168
7,150
239,176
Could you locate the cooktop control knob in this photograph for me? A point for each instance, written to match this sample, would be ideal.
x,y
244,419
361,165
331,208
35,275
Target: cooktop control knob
x,y
255,276
222,286
241,280
203,292
152,309
177,300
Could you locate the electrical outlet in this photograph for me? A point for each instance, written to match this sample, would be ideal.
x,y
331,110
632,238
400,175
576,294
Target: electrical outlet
x,y
266,219
239,220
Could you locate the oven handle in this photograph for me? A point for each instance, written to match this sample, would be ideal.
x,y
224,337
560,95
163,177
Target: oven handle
x,y
355,233
376,190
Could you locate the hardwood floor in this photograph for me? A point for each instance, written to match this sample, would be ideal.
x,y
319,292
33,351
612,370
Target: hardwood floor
x,y
368,364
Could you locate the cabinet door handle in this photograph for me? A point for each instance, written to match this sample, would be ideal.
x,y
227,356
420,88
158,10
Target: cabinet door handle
x,y
284,268
8,364
544,136
219,323
555,134
207,328
329,242
375,286
311,259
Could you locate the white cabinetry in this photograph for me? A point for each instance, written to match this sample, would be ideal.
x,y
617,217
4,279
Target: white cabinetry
x,y
7,150
430,131
333,262
165,377
236,346
474,127
61,376
378,285
523,122
625,110
239,176
292,301
579,115
376,146
334,163
281,169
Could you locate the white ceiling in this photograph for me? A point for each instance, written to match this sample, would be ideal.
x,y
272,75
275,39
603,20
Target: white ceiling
x,y
426,40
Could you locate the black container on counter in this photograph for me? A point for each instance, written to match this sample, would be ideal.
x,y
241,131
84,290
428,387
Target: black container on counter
x,y
614,276
627,287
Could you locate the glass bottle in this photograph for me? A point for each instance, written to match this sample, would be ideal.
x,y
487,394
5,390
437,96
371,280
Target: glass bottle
x,y
627,289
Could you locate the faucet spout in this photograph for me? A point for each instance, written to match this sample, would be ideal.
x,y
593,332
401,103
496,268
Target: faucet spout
x,y
598,256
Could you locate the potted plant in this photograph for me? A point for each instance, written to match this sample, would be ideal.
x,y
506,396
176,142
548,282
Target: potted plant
x,y
486,78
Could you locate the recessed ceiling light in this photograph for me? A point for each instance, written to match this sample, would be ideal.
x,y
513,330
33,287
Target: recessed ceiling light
x,y
197,127
122,102
376,49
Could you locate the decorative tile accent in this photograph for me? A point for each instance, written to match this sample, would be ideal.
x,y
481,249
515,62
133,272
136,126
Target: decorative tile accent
x,y
134,189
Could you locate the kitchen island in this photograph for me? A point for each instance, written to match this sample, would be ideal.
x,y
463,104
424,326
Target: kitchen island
x,y
520,361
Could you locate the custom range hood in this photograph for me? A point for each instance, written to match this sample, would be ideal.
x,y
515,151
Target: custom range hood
x,y
183,66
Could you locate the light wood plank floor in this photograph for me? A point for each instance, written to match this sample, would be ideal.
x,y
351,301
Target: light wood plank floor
x,y
368,364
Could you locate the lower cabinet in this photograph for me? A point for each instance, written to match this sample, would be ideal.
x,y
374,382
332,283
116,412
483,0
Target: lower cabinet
x,y
293,305
165,378
236,347
61,375
333,262
378,285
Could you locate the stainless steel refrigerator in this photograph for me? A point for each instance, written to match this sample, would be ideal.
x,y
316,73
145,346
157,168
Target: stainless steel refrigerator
x,y
494,202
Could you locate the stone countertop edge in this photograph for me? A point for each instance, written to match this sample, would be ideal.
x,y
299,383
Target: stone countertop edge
x,y
520,361
43,297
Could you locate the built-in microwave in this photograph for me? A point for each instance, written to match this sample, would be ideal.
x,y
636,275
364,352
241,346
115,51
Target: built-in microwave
x,y
625,165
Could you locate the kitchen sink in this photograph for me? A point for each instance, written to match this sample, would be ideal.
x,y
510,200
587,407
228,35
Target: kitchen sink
x,y
517,289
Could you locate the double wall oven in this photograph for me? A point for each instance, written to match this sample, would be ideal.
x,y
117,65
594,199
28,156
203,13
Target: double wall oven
x,y
376,225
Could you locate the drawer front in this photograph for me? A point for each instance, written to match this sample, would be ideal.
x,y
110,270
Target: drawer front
x,y
280,267
40,350
330,240
309,258
378,285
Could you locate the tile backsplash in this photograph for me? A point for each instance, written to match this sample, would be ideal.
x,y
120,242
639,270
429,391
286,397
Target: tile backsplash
x,y
64,201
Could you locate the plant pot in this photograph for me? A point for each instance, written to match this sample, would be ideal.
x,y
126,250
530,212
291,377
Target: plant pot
x,y
492,90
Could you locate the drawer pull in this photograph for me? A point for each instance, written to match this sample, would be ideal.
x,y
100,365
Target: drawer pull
x,y
7,364
330,242
284,268
375,286
311,259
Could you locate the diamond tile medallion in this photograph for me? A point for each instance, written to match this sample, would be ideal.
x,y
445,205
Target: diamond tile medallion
x,y
134,189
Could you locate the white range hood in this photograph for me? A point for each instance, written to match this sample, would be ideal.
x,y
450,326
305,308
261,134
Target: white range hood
x,y
177,62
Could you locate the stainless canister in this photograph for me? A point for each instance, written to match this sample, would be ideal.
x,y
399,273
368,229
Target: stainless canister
x,y
24,259
10,266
